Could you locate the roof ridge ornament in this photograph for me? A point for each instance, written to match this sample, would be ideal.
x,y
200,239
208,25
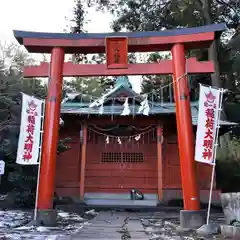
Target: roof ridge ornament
x,y
122,81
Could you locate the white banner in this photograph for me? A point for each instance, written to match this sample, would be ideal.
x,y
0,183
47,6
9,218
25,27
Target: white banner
x,y
2,167
30,131
208,115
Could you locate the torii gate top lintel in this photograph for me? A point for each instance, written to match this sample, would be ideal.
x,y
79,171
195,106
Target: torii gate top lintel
x,y
197,37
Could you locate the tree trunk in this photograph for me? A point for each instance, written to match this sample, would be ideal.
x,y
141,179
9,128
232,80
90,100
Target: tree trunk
x,y
230,82
213,55
213,50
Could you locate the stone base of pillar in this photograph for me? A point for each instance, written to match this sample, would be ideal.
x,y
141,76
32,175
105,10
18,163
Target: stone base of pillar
x,y
47,217
190,219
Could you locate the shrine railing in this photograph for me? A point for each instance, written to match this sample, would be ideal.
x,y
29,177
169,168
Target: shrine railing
x,y
154,108
166,94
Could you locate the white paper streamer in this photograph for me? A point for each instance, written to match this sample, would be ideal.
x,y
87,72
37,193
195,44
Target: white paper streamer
x,y
70,96
101,109
137,138
119,140
126,111
144,108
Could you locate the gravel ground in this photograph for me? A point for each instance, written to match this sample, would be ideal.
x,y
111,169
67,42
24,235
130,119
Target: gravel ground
x,y
164,226
14,225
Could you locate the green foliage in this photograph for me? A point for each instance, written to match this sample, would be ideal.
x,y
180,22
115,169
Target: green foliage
x,y
229,150
79,14
228,164
19,181
149,15
155,83
12,84
94,86
228,176
62,147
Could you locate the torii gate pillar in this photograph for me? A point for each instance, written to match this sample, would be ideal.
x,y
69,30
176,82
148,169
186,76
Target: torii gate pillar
x,y
46,215
191,216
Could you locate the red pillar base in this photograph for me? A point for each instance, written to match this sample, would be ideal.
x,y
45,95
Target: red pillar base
x,y
47,218
192,219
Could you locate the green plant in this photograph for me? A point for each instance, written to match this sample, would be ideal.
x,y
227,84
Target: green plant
x,y
61,145
228,164
229,149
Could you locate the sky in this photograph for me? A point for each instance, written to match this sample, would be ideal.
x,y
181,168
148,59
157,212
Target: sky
x,y
44,16
47,16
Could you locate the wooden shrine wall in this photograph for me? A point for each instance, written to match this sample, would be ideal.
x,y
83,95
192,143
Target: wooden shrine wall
x,y
118,168
171,162
68,162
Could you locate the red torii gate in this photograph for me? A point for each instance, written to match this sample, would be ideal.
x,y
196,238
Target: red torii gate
x,y
117,46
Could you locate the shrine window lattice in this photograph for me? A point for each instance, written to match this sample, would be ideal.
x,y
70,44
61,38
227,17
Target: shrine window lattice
x,y
125,157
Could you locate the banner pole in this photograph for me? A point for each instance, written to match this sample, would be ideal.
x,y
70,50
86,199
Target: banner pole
x,y
39,165
214,155
210,194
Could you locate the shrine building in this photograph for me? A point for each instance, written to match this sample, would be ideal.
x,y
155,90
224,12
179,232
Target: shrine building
x,y
123,152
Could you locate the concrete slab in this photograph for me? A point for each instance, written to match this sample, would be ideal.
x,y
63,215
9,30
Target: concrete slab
x,y
230,231
114,202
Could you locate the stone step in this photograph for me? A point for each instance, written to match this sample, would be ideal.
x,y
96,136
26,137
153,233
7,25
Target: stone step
x,y
117,196
120,202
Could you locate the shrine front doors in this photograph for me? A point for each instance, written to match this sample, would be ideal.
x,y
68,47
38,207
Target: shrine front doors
x,y
121,171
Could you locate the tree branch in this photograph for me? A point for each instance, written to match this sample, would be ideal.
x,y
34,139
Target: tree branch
x,y
228,5
199,5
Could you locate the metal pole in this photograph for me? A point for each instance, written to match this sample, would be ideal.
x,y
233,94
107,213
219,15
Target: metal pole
x,y
214,155
39,165
210,194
